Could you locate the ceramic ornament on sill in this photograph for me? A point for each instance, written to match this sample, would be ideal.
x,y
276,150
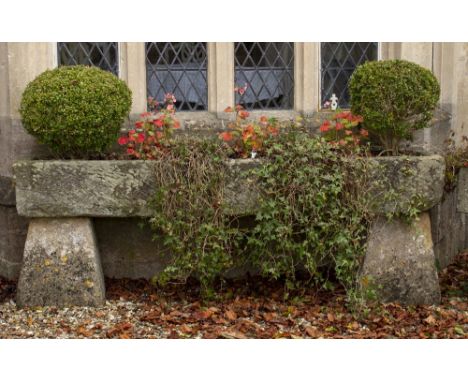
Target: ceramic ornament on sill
x,y
334,102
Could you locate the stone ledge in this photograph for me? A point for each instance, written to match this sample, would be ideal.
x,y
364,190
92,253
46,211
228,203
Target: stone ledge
x,y
414,179
122,188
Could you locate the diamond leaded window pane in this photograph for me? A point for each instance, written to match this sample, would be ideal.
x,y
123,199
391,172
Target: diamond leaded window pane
x,y
178,68
338,62
267,68
101,54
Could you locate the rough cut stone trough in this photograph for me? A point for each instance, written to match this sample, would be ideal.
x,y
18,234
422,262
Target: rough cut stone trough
x,y
61,263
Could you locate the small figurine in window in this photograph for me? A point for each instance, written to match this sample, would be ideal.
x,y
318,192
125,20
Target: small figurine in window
x,y
334,101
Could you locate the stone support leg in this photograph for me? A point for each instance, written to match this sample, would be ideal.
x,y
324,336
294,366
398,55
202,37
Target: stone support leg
x,y
400,260
61,264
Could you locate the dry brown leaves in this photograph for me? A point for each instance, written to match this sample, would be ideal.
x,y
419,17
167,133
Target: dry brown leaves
x,y
255,309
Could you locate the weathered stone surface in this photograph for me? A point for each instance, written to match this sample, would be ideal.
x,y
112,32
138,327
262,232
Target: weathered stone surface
x,y
127,249
433,138
107,188
400,260
413,180
462,190
7,191
241,191
122,188
13,229
61,265
83,188
448,229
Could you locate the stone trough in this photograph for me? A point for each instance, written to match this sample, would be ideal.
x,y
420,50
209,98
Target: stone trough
x,y
61,264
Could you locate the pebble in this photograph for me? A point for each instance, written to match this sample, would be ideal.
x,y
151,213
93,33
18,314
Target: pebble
x,y
73,322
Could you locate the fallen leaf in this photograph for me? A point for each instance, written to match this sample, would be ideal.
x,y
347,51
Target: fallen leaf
x,y
231,315
185,329
353,325
203,314
233,335
295,337
269,316
151,316
175,313
430,320
84,332
312,331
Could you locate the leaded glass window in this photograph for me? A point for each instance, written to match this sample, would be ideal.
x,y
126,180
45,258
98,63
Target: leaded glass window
x,y
338,62
179,68
101,54
267,68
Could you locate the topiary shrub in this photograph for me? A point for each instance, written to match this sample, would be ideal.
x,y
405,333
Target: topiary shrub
x,y
75,110
395,98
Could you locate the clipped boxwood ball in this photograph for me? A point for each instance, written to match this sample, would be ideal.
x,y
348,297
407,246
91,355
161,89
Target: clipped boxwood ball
x,y
75,110
395,97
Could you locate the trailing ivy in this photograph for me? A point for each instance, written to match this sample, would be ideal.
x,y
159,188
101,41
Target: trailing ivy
x,y
187,213
314,214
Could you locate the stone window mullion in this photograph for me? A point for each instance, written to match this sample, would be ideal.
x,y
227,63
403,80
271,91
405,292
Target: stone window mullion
x,y
133,72
306,77
220,76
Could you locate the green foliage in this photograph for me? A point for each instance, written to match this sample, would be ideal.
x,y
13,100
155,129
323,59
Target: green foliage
x,y
456,157
187,213
395,98
314,216
75,110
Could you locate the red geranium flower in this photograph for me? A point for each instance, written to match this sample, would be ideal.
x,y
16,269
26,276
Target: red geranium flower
x,y
123,141
140,137
325,126
342,115
273,130
226,136
132,135
243,114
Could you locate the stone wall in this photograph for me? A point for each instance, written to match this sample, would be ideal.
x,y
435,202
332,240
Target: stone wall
x,y
449,229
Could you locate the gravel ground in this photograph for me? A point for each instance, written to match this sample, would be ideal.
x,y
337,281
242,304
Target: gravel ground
x,y
246,309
